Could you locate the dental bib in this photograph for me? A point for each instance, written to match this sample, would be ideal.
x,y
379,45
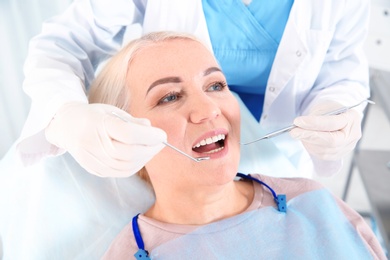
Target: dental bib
x,y
308,230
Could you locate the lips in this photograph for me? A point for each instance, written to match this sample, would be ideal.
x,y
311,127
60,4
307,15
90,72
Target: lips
x,y
211,144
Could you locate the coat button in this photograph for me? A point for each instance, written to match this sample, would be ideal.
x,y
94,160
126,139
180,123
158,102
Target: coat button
x,y
271,88
298,53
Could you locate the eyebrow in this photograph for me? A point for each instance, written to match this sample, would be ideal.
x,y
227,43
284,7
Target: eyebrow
x,y
164,81
211,70
178,79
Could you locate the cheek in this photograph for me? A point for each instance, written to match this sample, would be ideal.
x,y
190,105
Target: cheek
x,y
134,108
232,113
172,125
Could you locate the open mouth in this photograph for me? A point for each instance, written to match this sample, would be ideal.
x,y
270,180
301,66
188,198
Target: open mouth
x,y
210,145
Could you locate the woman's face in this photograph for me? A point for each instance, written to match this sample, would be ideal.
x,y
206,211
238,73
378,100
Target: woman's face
x,y
179,87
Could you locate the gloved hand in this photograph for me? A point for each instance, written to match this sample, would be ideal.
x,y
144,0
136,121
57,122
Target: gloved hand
x,y
102,143
328,137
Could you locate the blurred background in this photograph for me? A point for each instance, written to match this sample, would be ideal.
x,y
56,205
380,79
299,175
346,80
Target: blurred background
x,y
19,21
365,180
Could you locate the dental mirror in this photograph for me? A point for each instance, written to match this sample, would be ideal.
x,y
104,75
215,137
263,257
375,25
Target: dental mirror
x,y
196,159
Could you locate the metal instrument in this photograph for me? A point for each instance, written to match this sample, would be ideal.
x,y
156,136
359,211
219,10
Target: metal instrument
x,y
289,128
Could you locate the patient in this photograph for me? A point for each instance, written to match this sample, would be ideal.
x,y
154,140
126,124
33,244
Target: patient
x,y
203,210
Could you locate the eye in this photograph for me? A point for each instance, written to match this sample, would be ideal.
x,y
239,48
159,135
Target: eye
x,y
217,86
170,97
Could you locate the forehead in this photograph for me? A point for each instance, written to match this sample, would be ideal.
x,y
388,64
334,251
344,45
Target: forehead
x,y
172,56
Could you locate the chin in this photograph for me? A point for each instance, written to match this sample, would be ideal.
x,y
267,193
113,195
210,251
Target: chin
x,y
221,173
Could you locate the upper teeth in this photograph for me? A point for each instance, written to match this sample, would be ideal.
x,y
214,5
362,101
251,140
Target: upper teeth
x,y
210,140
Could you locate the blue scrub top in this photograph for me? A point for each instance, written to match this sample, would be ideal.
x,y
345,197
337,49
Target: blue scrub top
x,y
245,40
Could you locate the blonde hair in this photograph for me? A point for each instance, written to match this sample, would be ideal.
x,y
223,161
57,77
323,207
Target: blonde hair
x,y
111,87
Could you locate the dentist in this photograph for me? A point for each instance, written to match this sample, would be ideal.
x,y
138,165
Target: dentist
x,y
289,61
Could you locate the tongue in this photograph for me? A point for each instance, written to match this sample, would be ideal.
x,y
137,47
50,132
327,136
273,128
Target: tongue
x,y
206,148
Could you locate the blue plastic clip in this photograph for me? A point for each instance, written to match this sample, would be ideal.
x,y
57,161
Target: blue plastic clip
x,y
142,255
281,200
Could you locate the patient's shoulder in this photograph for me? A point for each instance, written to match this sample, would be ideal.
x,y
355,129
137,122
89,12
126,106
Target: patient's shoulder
x,y
292,187
123,246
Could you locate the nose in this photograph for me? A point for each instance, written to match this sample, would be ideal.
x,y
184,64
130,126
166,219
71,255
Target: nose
x,y
203,109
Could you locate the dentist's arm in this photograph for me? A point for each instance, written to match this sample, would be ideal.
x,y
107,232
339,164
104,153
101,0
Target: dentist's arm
x,y
62,61
342,81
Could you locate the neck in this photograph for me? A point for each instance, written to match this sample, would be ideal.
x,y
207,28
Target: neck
x,y
203,205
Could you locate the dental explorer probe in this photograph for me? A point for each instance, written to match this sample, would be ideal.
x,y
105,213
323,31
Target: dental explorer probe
x,y
198,159
289,128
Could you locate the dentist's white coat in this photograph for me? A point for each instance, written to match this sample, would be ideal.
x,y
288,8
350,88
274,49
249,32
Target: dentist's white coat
x,y
320,57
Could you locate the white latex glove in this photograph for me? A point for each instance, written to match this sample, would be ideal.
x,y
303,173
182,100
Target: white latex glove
x,y
104,144
329,137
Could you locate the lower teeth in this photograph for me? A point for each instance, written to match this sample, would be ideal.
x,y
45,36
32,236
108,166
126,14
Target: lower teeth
x,y
216,150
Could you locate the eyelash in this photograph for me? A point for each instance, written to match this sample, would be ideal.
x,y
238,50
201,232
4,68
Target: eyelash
x,y
178,95
170,94
222,84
